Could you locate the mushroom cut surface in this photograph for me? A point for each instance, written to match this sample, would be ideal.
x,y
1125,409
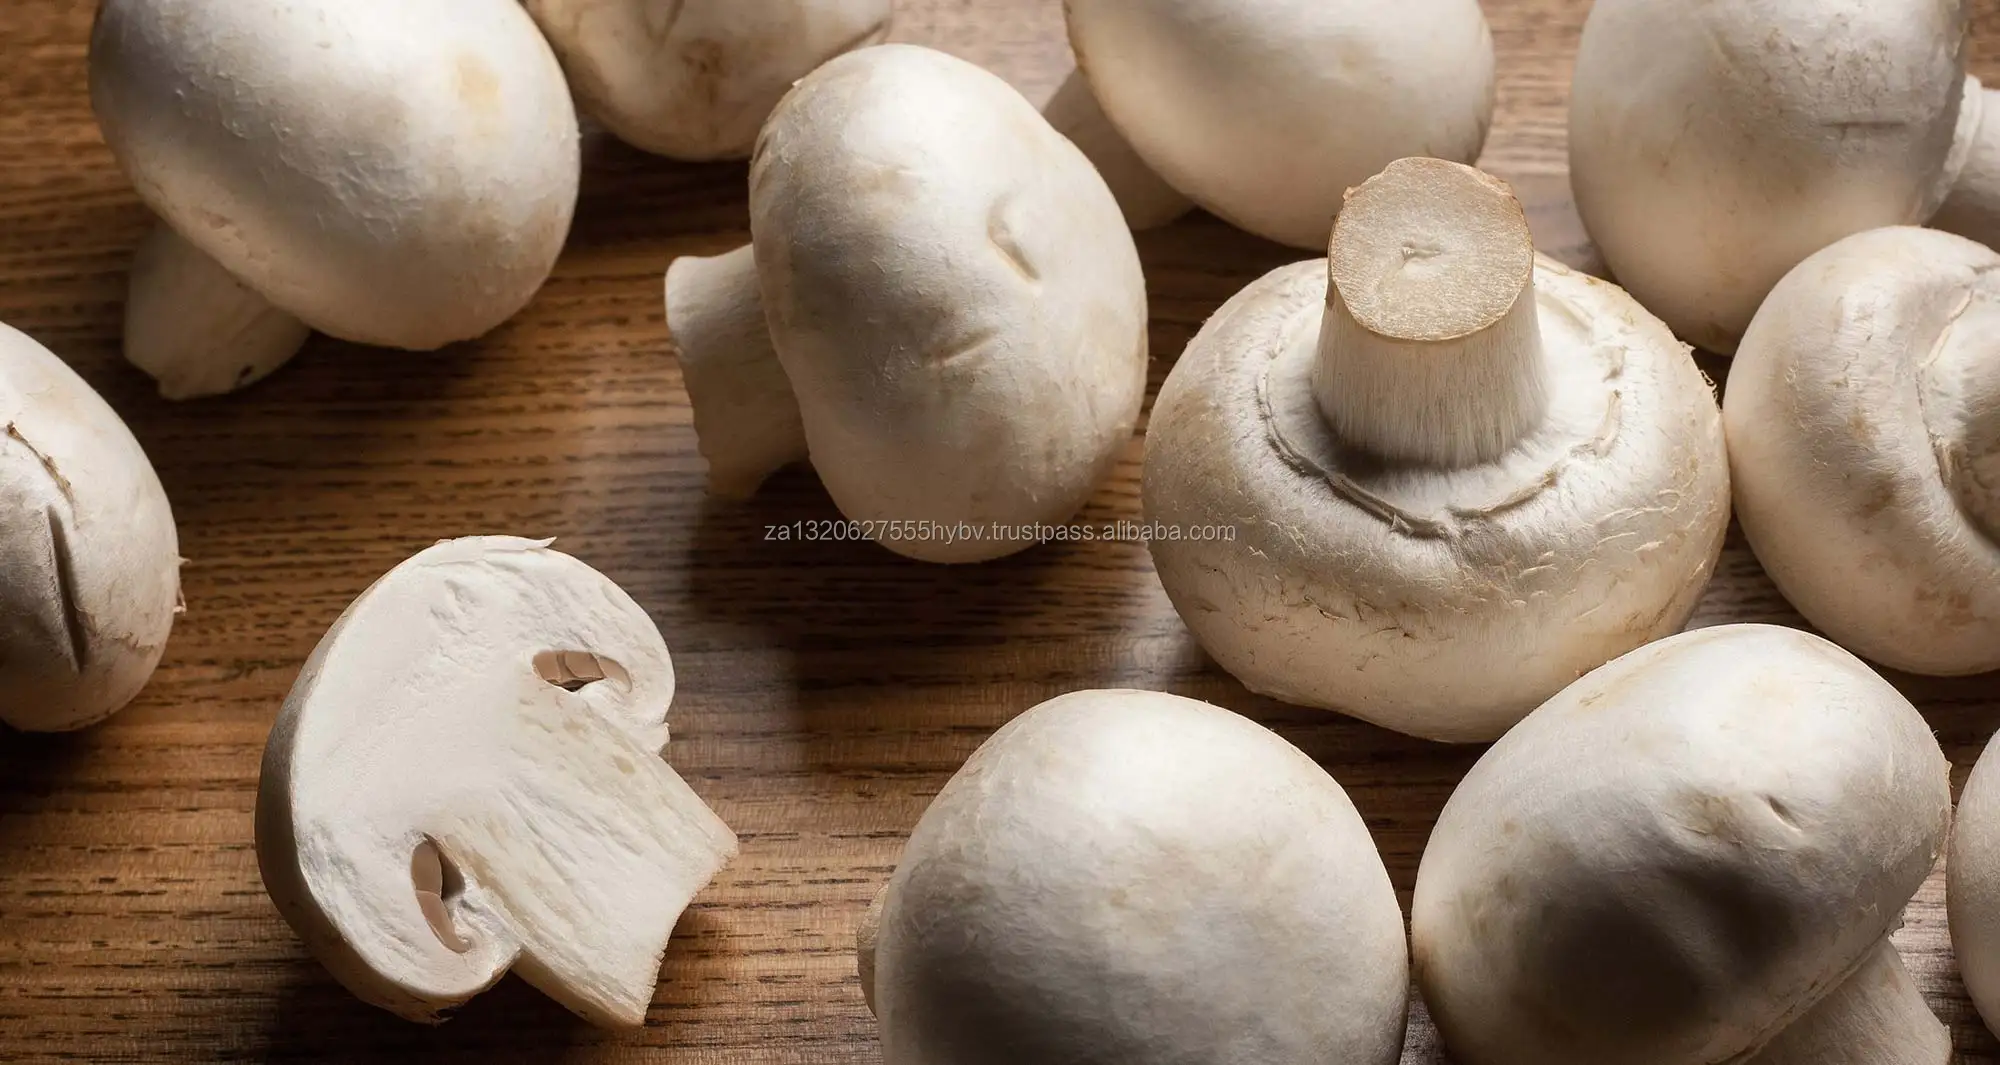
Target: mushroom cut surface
x,y
467,778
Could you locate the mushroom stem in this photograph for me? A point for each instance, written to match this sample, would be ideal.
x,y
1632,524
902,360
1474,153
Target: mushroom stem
x,y
1143,195
746,419
1972,207
1878,1017
1431,348
195,328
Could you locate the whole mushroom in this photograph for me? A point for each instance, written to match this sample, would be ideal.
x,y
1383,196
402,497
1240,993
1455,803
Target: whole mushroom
x,y
1458,475
1265,111
1145,197
1972,208
943,308
695,79
89,557
1693,855
1863,415
467,778
1131,877
1715,146
1972,890
390,173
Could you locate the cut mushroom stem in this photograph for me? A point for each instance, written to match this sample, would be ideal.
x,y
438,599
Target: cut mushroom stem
x,y
1431,348
1145,197
195,328
1972,209
746,419
1878,1017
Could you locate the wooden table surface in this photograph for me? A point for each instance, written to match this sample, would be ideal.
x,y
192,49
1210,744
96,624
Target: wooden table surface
x,y
826,690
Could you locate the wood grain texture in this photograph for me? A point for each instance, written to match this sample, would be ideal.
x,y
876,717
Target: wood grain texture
x,y
827,690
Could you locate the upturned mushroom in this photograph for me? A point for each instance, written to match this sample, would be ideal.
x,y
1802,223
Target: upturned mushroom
x,y
1863,416
1132,877
943,309
1264,111
1715,146
695,79
385,172
1459,475
1693,855
89,558
1972,889
467,778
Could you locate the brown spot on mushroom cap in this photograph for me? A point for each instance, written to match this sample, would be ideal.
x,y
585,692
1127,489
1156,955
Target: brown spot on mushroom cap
x,y
1878,497
1953,605
478,86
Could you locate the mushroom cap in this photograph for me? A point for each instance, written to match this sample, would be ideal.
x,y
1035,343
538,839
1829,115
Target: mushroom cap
x,y
953,293
496,710
388,172
1265,111
1444,603
1973,885
1147,200
90,575
1714,146
1861,416
1132,877
696,79
1676,857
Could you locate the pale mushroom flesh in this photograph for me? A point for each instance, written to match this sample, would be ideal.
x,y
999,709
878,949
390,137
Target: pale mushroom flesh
x,y
467,779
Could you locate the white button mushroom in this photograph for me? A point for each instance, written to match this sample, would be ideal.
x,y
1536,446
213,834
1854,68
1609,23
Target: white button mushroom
x,y
1145,197
1459,476
695,79
1693,855
1131,877
1973,169
467,778
1264,111
1972,891
90,576
387,172
1863,416
956,313
1714,146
